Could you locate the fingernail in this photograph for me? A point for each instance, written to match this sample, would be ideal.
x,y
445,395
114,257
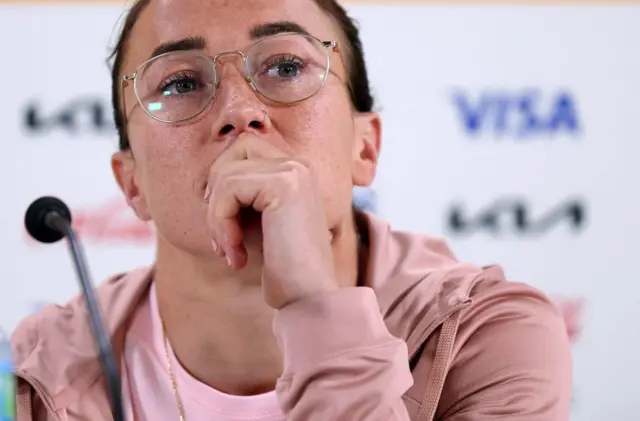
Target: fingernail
x,y
215,245
207,193
229,261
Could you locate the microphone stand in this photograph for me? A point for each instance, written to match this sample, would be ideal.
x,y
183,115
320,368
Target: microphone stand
x,y
61,224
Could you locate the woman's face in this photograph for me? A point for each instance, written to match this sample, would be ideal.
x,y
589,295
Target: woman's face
x,y
165,174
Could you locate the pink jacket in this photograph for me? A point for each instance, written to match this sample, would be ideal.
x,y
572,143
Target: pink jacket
x,y
429,338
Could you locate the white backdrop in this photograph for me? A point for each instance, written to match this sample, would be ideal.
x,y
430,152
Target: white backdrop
x,y
511,130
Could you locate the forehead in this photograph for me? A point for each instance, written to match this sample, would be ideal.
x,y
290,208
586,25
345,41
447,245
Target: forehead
x,y
224,24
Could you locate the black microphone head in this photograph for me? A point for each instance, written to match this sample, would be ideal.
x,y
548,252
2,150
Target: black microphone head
x,y
35,219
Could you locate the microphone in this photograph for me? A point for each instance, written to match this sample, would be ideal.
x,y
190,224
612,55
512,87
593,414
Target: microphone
x,y
48,220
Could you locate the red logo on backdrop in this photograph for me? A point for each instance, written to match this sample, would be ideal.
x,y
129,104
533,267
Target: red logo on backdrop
x,y
571,310
111,223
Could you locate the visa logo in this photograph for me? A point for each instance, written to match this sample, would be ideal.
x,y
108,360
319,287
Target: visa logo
x,y
521,115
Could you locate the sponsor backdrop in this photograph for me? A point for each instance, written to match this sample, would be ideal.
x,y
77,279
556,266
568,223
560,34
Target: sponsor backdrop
x,y
512,130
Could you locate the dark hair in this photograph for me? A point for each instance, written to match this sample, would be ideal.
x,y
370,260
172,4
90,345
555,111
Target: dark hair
x,y
351,48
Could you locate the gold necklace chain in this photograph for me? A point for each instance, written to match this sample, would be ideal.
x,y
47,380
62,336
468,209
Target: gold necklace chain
x,y
174,383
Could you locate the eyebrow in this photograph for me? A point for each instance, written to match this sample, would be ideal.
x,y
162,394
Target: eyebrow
x,y
185,44
274,28
259,31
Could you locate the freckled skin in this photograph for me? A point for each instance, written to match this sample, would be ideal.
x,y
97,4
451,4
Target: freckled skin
x,y
172,160
217,314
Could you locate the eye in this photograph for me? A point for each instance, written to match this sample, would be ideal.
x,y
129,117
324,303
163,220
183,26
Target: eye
x,y
284,67
179,84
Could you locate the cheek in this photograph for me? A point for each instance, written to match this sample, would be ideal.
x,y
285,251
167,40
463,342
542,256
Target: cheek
x,y
323,134
321,129
169,161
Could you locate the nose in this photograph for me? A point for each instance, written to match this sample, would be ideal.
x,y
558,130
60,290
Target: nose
x,y
238,107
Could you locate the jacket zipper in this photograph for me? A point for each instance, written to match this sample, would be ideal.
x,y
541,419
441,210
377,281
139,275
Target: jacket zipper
x,y
36,386
434,326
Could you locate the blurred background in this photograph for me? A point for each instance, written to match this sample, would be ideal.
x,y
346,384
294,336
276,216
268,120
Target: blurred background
x,y
512,130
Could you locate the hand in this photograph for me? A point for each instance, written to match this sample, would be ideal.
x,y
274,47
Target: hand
x,y
253,173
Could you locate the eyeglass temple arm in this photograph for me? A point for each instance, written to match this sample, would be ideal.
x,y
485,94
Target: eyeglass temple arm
x,y
125,82
330,44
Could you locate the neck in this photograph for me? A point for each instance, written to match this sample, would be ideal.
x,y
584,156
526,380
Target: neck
x,y
216,318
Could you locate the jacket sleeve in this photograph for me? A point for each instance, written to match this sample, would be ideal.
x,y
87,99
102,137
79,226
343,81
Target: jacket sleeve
x,y
513,362
340,361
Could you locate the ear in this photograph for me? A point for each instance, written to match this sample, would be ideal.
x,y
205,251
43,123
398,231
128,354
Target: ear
x,y
123,165
366,148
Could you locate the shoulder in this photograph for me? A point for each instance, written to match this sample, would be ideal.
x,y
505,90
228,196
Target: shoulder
x,y
493,297
512,353
516,321
65,327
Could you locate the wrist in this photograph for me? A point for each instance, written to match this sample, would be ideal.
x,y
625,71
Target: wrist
x,y
311,290
327,325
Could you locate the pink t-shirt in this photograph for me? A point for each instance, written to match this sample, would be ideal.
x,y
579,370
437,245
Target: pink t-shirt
x,y
147,383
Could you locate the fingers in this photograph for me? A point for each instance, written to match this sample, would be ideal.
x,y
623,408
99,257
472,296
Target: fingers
x,y
243,185
250,174
248,147
263,185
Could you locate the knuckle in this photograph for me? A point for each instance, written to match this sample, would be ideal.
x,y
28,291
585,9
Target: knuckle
x,y
290,182
297,167
304,162
294,177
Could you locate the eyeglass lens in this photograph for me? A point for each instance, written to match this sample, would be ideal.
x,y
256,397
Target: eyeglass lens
x,y
283,68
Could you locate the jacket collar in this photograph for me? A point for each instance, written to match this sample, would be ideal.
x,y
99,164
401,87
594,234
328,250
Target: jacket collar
x,y
416,278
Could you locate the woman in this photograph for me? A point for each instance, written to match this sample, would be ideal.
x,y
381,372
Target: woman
x,y
244,127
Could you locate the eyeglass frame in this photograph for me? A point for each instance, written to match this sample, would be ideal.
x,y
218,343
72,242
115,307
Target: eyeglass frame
x,y
126,79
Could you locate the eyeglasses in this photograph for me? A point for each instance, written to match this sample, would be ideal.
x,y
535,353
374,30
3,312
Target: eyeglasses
x,y
283,68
